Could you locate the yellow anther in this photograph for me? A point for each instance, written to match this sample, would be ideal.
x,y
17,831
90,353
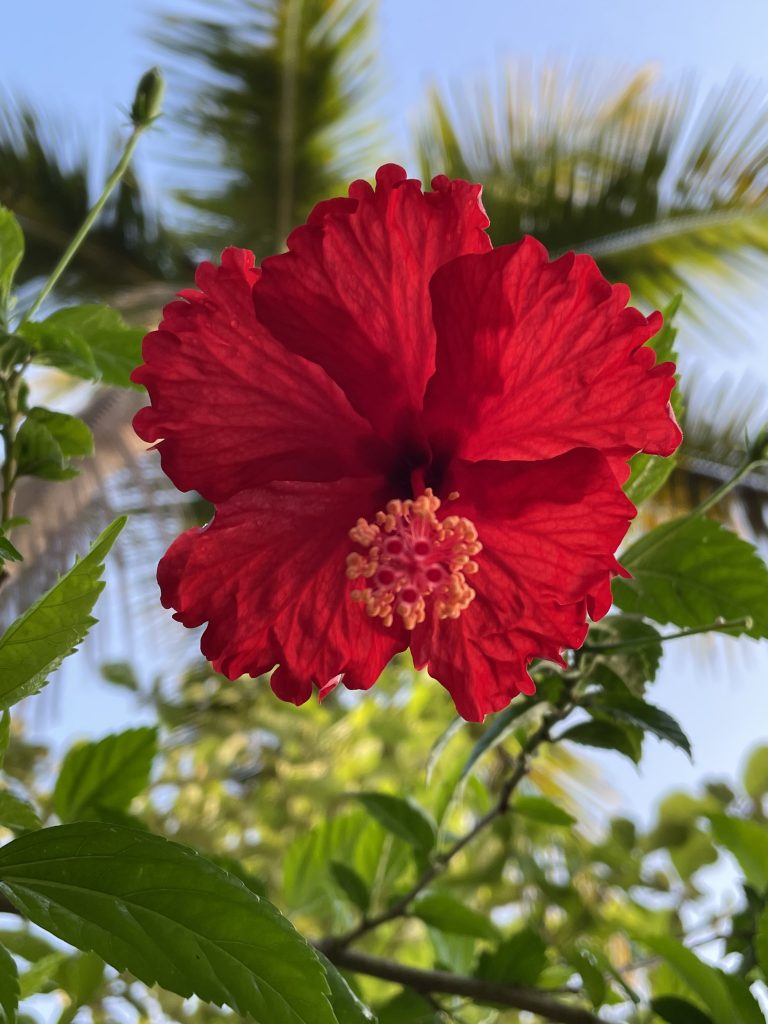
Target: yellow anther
x,y
412,557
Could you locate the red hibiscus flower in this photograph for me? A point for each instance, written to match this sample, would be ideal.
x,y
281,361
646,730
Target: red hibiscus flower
x,y
411,439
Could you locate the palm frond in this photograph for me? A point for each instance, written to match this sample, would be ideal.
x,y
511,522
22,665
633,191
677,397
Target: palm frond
x,y
274,112
45,180
665,190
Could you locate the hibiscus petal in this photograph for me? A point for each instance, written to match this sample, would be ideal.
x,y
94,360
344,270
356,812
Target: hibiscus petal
x,y
549,532
352,291
535,358
231,407
268,576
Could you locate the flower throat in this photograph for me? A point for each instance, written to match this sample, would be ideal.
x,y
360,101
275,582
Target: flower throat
x,y
411,557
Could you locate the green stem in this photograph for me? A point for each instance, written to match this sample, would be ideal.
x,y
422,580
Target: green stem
x,y
745,622
85,227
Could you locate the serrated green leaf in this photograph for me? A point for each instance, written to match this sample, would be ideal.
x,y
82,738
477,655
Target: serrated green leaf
x,y
346,1005
401,816
351,884
539,808
107,774
167,915
48,440
626,740
674,1010
649,718
691,573
16,814
710,984
11,251
447,914
39,640
517,960
67,337
748,842
9,983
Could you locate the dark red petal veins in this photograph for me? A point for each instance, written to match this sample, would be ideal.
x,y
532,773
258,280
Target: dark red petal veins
x,y
268,576
231,407
351,294
549,532
535,358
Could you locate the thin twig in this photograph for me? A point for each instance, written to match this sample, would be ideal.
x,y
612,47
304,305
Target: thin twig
x,y
430,981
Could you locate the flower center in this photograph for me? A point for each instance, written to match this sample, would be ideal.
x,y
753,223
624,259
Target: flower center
x,y
411,556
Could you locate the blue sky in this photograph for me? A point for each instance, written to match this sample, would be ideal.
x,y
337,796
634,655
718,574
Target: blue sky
x,y
82,59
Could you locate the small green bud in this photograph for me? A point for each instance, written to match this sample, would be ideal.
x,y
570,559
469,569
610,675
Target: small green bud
x,y
149,98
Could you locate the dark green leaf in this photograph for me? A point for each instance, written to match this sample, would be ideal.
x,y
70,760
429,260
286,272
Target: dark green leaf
x,y
692,573
761,942
114,347
48,440
107,774
9,973
518,960
347,1007
37,642
625,740
748,842
167,915
678,1011
499,728
626,708
401,816
408,1007
636,662
449,915
11,251
16,814
539,808
8,552
351,884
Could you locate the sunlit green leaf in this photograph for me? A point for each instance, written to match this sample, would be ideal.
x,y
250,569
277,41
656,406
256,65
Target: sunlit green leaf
x,y
167,915
539,808
17,814
693,573
748,842
37,642
9,983
447,914
88,341
11,251
104,775
48,440
401,816
756,773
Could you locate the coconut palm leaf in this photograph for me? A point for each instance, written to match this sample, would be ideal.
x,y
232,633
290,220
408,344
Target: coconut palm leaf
x,y
44,179
274,109
668,192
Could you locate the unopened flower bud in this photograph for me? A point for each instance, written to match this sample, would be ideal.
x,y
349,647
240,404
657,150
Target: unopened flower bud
x,y
149,98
